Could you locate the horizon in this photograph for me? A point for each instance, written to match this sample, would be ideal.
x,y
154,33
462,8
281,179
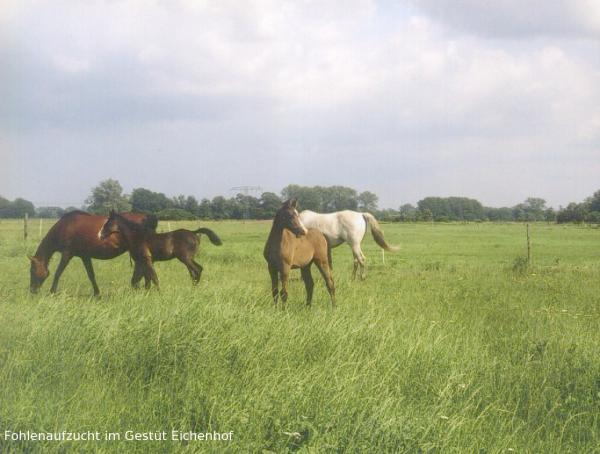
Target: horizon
x,y
83,206
496,103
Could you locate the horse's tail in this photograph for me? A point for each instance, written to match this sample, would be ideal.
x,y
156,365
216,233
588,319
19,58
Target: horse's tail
x,y
378,233
212,236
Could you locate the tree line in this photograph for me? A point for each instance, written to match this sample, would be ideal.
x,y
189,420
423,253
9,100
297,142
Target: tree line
x,y
108,195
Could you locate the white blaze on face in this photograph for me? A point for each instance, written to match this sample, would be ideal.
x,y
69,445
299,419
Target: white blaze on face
x,y
100,231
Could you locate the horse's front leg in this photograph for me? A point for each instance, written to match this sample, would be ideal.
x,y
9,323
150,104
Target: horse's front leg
x,y
285,274
274,282
309,284
87,262
65,258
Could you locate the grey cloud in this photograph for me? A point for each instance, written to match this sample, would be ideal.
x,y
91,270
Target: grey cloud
x,y
515,18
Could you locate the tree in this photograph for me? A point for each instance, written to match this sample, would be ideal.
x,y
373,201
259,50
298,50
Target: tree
x,y
18,208
499,214
108,195
337,198
452,208
308,198
220,208
573,212
269,204
205,209
191,205
367,201
594,202
49,212
175,214
147,201
549,214
4,203
408,212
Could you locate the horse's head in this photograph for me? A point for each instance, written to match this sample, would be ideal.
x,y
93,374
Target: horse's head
x,y
288,218
110,227
39,273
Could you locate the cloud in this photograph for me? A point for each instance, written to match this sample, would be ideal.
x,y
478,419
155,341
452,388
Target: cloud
x,y
517,19
436,98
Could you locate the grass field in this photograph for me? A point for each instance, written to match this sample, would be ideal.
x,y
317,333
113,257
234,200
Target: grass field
x,y
452,345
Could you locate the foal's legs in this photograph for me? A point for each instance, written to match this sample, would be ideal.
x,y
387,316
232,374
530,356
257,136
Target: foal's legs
x,y
138,273
199,270
190,267
326,273
194,268
149,273
65,258
308,283
87,262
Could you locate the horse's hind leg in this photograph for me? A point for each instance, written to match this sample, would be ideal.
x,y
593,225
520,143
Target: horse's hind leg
x,y
65,258
199,270
87,262
326,273
308,283
149,273
359,260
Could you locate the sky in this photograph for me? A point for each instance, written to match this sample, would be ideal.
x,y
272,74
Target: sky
x,y
498,101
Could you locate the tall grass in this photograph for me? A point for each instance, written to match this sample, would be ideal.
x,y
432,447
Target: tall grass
x,y
444,348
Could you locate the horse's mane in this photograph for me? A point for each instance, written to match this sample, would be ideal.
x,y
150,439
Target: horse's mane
x,y
148,225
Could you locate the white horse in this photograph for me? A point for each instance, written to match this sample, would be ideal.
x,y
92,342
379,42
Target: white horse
x,y
346,227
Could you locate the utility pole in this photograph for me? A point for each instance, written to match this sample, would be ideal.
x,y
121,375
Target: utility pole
x,y
247,190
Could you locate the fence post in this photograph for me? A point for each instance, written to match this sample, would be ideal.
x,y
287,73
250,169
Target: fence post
x,y
25,226
528,246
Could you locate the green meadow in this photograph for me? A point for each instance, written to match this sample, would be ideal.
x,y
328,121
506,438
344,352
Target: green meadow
x,y
452,344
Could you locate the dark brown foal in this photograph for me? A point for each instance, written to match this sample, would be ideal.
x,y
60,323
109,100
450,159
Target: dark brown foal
x,y
290,245
147,247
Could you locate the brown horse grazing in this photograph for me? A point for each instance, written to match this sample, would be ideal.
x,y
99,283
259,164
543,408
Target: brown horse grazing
x,y
76,235
146,246
290,245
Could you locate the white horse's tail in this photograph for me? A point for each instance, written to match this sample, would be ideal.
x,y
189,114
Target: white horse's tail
x,y
378,233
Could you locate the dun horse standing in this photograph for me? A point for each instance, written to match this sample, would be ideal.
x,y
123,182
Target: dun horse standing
x,y
146,246
76,235
347,227
290,245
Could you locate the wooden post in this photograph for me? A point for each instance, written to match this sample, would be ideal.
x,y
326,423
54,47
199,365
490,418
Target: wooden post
x,y
25,226
528,246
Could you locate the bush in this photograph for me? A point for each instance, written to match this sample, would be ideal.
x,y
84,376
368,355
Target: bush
x,y
175,214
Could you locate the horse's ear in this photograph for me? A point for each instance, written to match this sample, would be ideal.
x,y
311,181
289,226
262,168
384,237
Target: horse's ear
x,y
287,203
294,203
